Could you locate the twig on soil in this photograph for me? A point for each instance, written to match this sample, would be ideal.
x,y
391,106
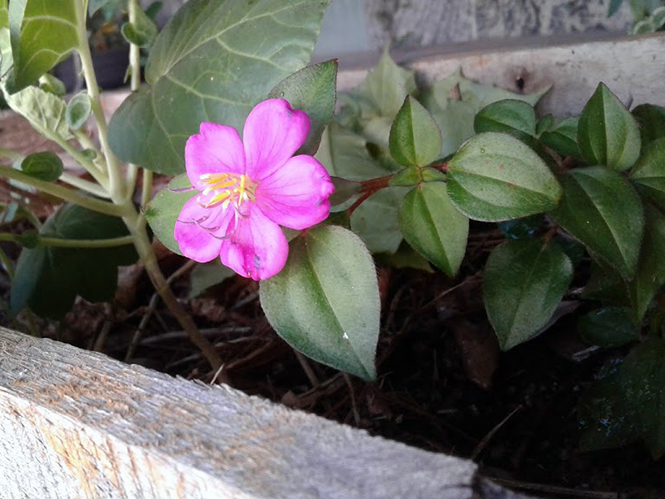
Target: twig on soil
x,y
152,305
304,363
483,443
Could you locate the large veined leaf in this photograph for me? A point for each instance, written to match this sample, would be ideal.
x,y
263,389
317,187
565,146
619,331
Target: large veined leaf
x,y
48,279
43,33
47,113
314,90
601,209
5,39
651,120
325,302
495,177
524,283
213,62
607,134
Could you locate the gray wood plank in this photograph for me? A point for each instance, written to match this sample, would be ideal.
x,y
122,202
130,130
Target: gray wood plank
x,y
75,423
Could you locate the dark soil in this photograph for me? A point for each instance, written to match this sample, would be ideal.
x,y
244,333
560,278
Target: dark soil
x,y
443,384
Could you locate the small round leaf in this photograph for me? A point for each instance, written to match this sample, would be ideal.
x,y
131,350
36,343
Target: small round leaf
x,y
78,110
46,166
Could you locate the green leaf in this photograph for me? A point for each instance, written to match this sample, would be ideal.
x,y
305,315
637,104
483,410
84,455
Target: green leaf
x,y
642,380
142,32
454,102
404,257
415,139
601,209
607,133
376,220
43,34
606,284
163,211
648,176
214,61
511,116
651,120
650,275
524,282
562,137
46,166
48,279
386,87
207,275
496,177
5,40
523,228
45,111
433,227
544,124
325,302
95,5
609,327
344,191
51,84
78,110
312,89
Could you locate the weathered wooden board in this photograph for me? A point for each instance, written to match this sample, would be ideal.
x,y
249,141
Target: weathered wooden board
x,y
78,424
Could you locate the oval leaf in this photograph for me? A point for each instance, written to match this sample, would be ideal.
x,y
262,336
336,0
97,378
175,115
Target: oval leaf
x,y
495,177
415,139
651,120
433,227
325,302
46,166
511,116
648,176
312,89
609,327
48,279
650,275
608,134
214,61
601,209
524,283
142,32
78,110
163,211
562,137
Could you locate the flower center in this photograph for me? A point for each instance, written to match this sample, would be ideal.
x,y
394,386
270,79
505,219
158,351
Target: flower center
x,y
225,189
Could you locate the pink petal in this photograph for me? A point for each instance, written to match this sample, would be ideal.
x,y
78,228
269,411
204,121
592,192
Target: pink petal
x,y
202,241
257,248
273,132
216,149
296,195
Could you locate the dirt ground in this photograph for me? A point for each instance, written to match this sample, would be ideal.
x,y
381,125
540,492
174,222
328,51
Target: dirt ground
x,y
443,385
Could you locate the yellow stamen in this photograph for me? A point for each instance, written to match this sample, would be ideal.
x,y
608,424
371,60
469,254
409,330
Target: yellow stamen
x,y
226,188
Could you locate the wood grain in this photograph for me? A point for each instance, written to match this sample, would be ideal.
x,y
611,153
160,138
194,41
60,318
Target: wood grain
x,y
78,424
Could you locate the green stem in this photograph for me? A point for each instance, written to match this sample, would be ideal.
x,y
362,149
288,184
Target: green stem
x,y
135,65
144,249
13,155
57,242
84,185
65,193
116,187
146,191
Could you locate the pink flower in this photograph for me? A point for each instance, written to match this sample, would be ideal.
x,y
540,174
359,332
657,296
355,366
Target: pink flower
x,y
249,188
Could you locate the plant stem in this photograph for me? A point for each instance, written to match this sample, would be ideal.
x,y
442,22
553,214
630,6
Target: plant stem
x,y
71,243
65,193
133,220
116,187
144,249
84,185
